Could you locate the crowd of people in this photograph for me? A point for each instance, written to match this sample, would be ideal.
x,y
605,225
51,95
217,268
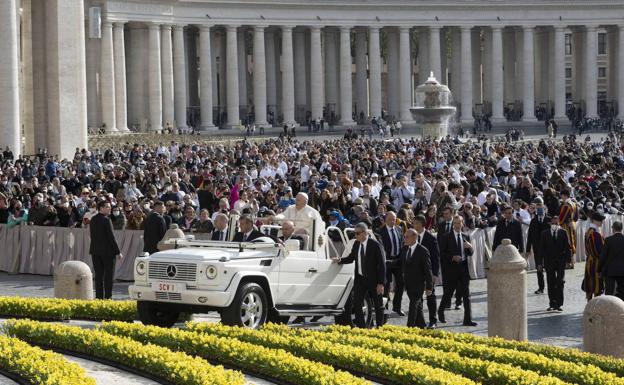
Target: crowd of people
x,y
438,187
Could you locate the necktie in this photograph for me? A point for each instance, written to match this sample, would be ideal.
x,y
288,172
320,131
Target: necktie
x,y
461,249
221,235
448,227
410,253
360,258
418,240
554,235
395,242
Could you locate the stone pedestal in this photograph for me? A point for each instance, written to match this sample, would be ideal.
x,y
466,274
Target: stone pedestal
x,y
603,326
73,280
506,294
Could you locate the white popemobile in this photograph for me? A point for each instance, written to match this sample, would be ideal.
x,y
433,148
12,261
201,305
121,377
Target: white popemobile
x,y
249,283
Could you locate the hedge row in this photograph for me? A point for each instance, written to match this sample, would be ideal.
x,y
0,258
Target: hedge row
x,y
64,309
175,367
39,367
486,372
608,364
362,360
275,363
572,372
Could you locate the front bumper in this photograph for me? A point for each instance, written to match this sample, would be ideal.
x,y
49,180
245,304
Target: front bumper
x,y
213,299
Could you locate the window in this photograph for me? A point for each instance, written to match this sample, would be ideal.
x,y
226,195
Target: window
x,y
602,72
568,44
602,44
568,73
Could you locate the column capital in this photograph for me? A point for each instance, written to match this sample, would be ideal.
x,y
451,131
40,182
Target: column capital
x,y
166,27
107,23
466,27
528,28
316,28
560,28
154,26
498,28
591,28
232,27
177,27
119,24
287,28
260,27
374,28
434,27
404,28
205,27
345,28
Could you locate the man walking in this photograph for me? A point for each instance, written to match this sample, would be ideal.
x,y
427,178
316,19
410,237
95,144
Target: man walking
x,y
555,248
155,228
536,228
370,273
103,250
416,265
508,228
391,238
612,262
427,240
594,243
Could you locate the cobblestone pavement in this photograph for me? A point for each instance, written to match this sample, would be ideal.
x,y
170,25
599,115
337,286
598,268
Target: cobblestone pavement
x,y
562,329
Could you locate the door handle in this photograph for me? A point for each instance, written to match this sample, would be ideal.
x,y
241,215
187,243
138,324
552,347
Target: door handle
x,y
312,270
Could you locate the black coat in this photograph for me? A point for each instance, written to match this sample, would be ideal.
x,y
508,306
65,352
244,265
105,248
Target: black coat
x,y
386,241
214,236
416,269
511,230
612,256
431,244
534,238
374,262
153,232
255,234
556,252
103,242
449,248
441,229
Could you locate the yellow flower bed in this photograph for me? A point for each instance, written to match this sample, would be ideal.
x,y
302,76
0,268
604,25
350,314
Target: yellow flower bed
x,y
39,367
486,372
608,364
572,372
175,367
275,363
63,309
382,366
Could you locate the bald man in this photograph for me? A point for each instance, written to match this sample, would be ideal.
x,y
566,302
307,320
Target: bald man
x,y
288,233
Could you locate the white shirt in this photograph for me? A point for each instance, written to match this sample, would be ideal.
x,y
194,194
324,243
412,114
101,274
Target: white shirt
x,y
361,252
504,164
305,173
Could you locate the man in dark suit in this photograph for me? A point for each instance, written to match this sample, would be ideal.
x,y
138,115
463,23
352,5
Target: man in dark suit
x,y
443,227
612,262
103,250
288,233
155,228
536,227
556,251
247,231
370,273
220,232
416,266
427,240
391,238
508,228
454,251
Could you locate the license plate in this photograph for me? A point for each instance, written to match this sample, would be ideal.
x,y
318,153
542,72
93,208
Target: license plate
x,y
169,287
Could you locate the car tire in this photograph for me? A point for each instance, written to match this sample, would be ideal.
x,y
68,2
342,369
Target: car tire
x,y
152,314
250,307
275,318
348,316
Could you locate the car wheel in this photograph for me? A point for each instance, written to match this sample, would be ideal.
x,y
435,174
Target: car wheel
x,y
249,309
152,314
348,317
275,318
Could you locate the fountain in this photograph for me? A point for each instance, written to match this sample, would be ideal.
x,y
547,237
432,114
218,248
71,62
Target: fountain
x,y
433,108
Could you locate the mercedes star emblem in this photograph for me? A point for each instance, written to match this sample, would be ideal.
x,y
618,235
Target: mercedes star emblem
x,y
171,271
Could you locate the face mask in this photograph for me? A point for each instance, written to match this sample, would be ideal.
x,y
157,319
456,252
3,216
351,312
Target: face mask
x,y
333,223
540,211
554,227
116,212
65,205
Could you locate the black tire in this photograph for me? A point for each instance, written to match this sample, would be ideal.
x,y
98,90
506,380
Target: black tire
x,y
348,317
275,318
250,307
152,314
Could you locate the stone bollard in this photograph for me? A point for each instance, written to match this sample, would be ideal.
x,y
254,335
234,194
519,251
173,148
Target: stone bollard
x,y
73,280
603,326
506,294
174,232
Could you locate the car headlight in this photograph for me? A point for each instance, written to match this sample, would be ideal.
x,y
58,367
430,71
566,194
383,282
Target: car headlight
x,y
140,268
211,272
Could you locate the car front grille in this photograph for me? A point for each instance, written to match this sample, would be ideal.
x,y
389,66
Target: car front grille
x,y
169,271
163,295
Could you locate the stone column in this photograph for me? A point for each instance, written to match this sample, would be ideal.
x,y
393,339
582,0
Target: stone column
x,y
361,69
288,77
497,83
9,78
259,77
242,70
138,80
121,106
405,75
271,68
455,64
435,65
559,75
374,65
107,79
205,78
477,86
423,55
509,64
231,61
331,76
507,278
155,80
179,76
466,75
591,71
168,100
316,73
392,84
299,48
620,72
346,91
528,89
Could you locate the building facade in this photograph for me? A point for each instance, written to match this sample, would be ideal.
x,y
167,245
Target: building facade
x,y
150,65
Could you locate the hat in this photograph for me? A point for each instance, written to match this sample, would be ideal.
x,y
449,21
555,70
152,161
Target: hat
x,y
596,216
